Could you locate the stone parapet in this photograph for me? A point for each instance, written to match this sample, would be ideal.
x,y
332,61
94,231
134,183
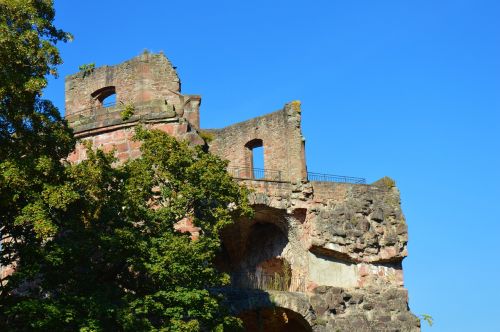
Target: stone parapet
x,y
105,117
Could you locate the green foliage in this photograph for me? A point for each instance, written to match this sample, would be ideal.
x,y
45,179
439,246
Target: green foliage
x,y
115,262
128,111
87,68
386,182
27,47
427,318
207,136
33,136
94,246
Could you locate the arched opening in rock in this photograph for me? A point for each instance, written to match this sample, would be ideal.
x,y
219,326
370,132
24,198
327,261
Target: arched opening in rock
x,y
263,248
253,252
250,242
274,319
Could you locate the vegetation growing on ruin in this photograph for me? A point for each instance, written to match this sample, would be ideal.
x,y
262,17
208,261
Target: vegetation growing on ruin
x,y
386,182
87,68
427,318
115,261
127,112
296,106
207,136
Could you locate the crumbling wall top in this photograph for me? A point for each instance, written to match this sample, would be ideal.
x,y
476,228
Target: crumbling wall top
x,y
145,86
140,79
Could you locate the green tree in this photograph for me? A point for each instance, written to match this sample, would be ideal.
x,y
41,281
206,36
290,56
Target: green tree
x,y
118,263
94,245
33,136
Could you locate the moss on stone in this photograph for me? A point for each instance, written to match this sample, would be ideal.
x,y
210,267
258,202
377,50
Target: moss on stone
x,y
386,182
207,136
128,112
296,106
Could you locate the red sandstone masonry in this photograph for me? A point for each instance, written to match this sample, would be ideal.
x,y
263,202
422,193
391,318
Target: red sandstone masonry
x,y
121,141
141,79
149,86
358,231
282,140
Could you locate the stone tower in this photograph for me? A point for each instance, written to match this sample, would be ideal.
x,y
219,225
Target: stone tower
x,y
147,87
322,253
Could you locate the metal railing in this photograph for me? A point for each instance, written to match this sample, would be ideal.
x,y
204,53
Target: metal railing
x,y
311,176
248,173
255,173
263,281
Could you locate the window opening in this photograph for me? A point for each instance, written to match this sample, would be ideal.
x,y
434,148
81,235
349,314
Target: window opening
x,y
256,158
258,162
109,100
106,97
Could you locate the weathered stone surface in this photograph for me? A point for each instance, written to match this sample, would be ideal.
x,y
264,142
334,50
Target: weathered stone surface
x,y
148,87
280,135
142,79
334,309
362,222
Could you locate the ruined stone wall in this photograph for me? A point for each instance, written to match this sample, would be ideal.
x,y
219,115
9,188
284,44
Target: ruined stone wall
x,y
280,133
142,79
345,241
356,237
121,140
326,309
341,244
146,86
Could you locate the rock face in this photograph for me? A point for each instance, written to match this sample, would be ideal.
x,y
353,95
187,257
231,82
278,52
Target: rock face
x,y
317,255
327,309
344,243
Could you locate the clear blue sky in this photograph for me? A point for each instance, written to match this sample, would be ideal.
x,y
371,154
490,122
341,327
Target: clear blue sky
x,y
409,89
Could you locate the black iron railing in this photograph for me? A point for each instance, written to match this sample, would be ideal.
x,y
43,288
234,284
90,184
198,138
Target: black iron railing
x,y
264,281
248,173
334,178
255,173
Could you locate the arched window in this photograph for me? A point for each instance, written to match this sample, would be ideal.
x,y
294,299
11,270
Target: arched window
x,y
255,158
106,96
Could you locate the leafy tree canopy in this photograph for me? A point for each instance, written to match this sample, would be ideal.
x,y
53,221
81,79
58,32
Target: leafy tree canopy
x,y
33,136
28,53
118,263
94,245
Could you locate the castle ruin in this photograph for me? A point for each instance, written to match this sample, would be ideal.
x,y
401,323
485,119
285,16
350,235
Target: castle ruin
x,y
322,253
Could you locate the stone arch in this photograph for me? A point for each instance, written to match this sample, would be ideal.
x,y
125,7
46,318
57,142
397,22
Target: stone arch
x,y
249,242
100,95
258,253
296,306
275,319
264,246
